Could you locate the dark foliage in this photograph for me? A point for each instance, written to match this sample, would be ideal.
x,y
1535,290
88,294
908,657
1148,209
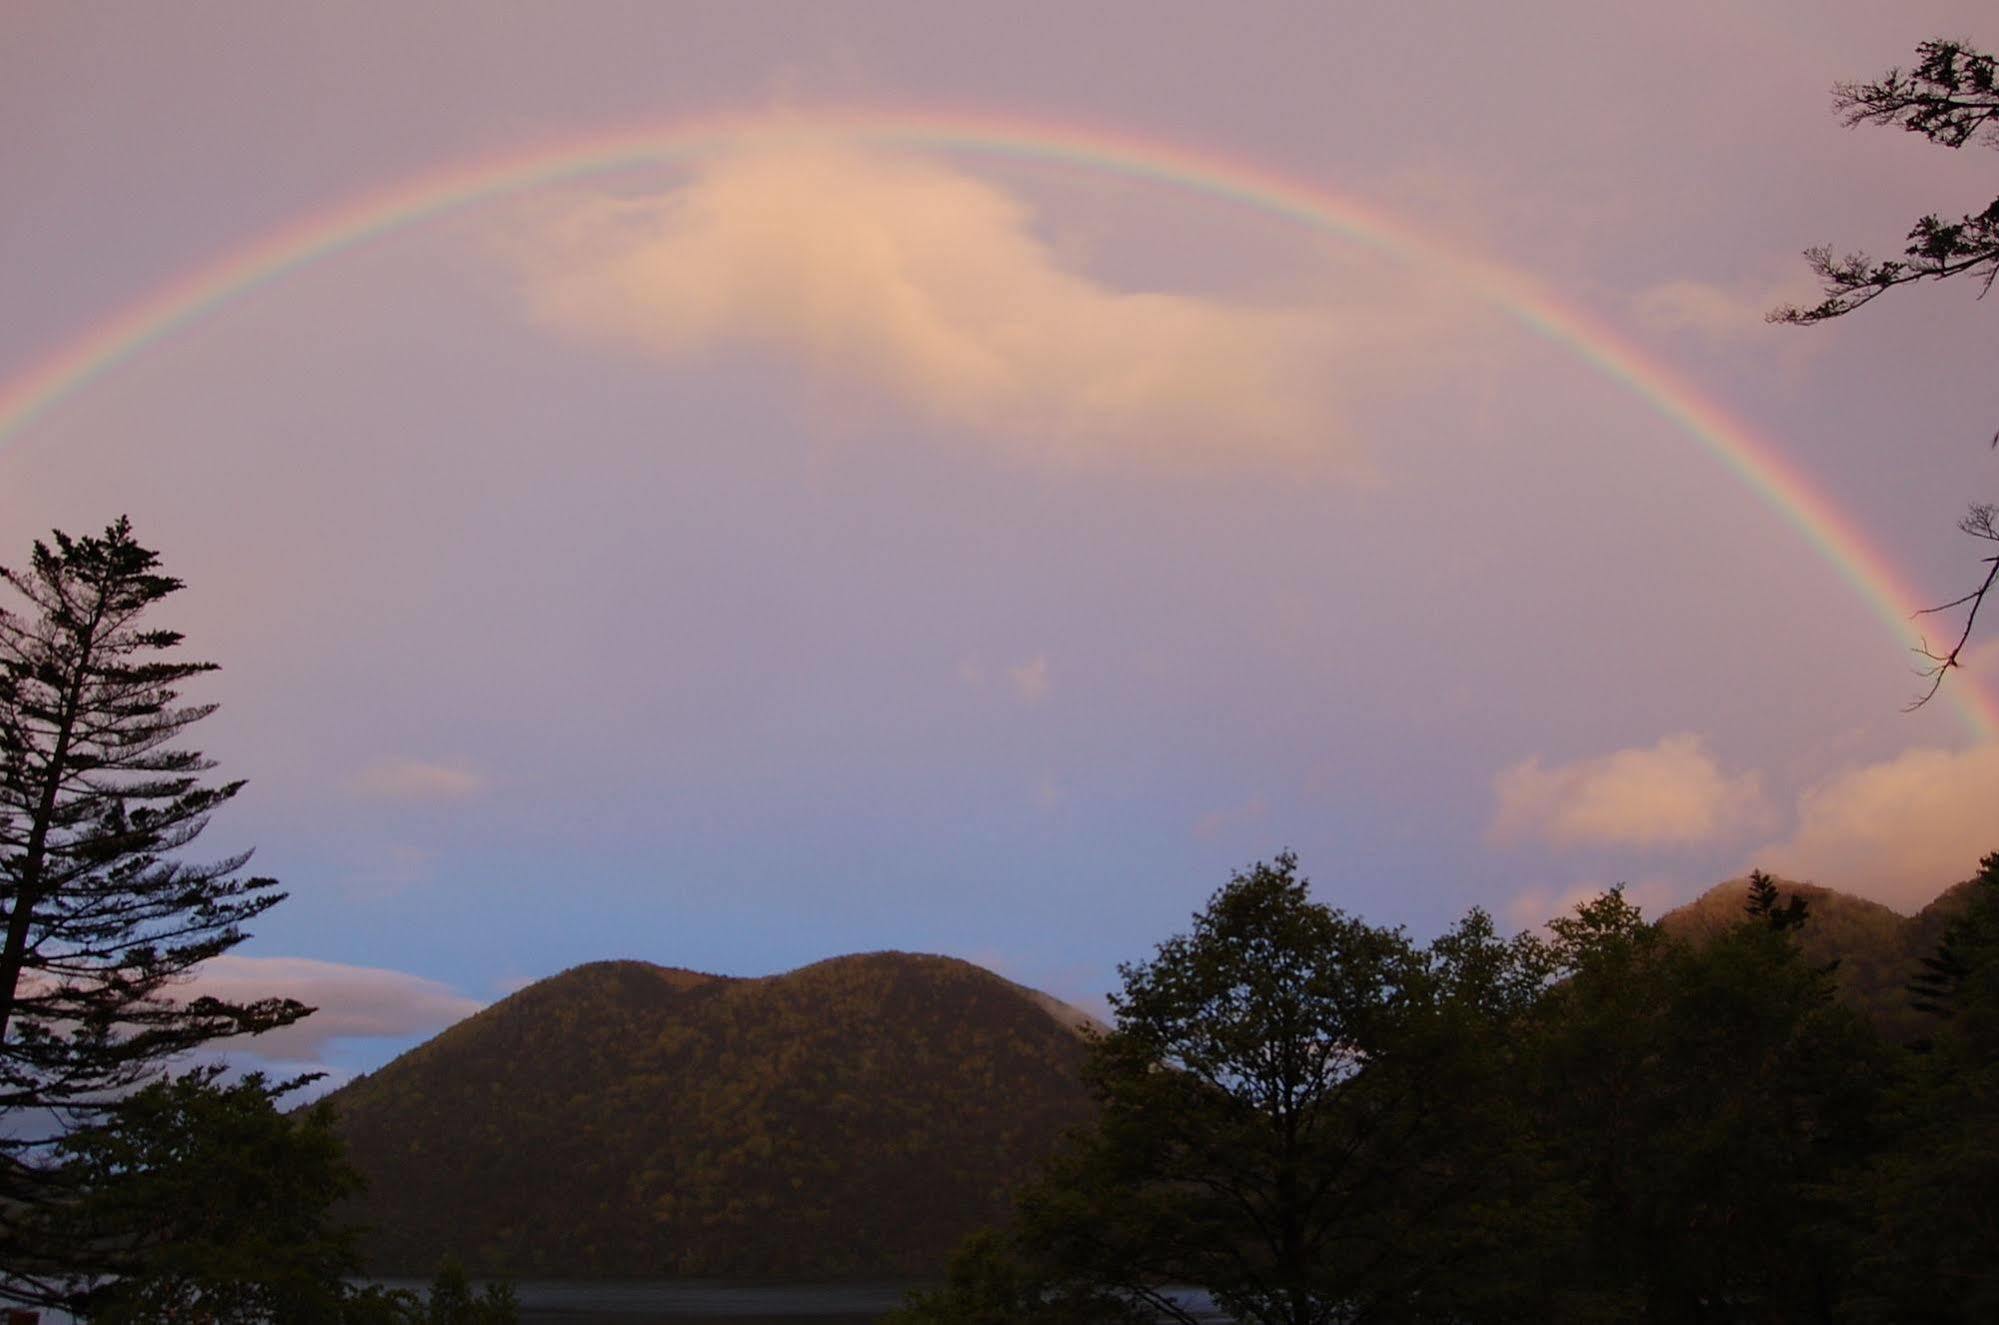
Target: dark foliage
x,y
1284,1123
1950,97
197,1200
1315,1121
1932,1194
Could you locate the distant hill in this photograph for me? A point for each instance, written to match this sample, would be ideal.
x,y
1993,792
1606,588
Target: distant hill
x,y
1877,948
853,1118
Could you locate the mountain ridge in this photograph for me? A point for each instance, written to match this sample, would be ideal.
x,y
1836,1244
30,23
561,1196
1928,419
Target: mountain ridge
x,y
854,1117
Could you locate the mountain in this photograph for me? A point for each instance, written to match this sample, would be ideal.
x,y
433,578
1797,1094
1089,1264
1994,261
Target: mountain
x,y
853,1118
1877,948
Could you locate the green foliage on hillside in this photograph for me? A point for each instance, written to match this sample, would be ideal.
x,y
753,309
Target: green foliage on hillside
x,y
853,1118
1877,950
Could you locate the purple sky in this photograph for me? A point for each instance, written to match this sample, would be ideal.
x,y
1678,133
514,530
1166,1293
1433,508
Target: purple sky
x,y
822,549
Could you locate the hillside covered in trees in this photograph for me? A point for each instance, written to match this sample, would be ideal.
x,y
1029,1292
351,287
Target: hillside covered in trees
x,y
853,1118
1878,950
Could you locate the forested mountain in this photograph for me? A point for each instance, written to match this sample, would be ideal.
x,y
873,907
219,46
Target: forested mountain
x,y
852,1118
1877,949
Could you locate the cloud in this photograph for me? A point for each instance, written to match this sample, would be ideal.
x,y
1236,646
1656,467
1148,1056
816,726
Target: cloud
x,y
382,870
1537,906
1216,822
929,285
1671,794
353,1001
1048,794
1900,831
1030,680
1720,313
418,780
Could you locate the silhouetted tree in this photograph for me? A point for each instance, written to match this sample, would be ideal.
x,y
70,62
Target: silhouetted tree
x,y
202,1201
100,915
1932,1192
1287,1118
1951,97
452,1301
1703,1102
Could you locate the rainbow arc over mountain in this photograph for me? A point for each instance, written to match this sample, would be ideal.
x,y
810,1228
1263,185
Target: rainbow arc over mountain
x,y
1754,461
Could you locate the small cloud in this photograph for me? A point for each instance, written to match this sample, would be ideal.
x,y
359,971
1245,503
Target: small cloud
x,y
1535,907
1048,794
388,869
1216,822
1030,680
1899,831
1671,794
418,780
1719,313
352,1002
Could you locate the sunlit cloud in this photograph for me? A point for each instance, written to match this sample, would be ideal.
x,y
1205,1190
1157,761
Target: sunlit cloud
x,y
352,1002
1215,823
1899,831
1669,794
1030,680
1535,907
930,285
1721,313
418,780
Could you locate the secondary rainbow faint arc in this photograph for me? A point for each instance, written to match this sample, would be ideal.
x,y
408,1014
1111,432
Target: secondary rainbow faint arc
x,y
1785,489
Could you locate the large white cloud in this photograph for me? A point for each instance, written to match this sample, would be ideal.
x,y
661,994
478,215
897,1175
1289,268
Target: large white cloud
x,y
352,1001
1899,831
930,285
1669,794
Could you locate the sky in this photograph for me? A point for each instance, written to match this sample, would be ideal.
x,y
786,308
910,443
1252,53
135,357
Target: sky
x,y
730,485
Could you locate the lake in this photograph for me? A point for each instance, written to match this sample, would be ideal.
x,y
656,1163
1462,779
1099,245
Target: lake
x,y
644,1302
681,1302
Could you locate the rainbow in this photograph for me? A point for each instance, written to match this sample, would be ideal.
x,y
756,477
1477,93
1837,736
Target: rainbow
x,y
1756,462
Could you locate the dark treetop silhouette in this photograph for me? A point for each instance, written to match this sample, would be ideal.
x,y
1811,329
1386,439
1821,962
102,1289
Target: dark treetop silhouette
x,y
1951,97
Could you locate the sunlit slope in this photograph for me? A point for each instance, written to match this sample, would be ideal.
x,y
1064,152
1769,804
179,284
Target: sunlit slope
x,y
1877,948
856,1117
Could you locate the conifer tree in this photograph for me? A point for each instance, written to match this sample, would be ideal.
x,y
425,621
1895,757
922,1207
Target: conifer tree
x,y
101,916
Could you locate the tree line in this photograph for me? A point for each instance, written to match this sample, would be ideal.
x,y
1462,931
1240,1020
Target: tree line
x,y
1311,1119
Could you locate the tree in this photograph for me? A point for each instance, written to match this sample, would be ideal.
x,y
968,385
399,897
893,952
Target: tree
x,y
101,916
452,1301
199,1200
1705,1103
1286,1118
1951,97
1932,1192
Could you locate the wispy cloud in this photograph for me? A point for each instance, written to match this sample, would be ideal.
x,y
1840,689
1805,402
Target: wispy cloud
x,y
1669,794
931,286
352,1002
387,868
1212,825
405,779
1724,314
1030,680
1899,831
